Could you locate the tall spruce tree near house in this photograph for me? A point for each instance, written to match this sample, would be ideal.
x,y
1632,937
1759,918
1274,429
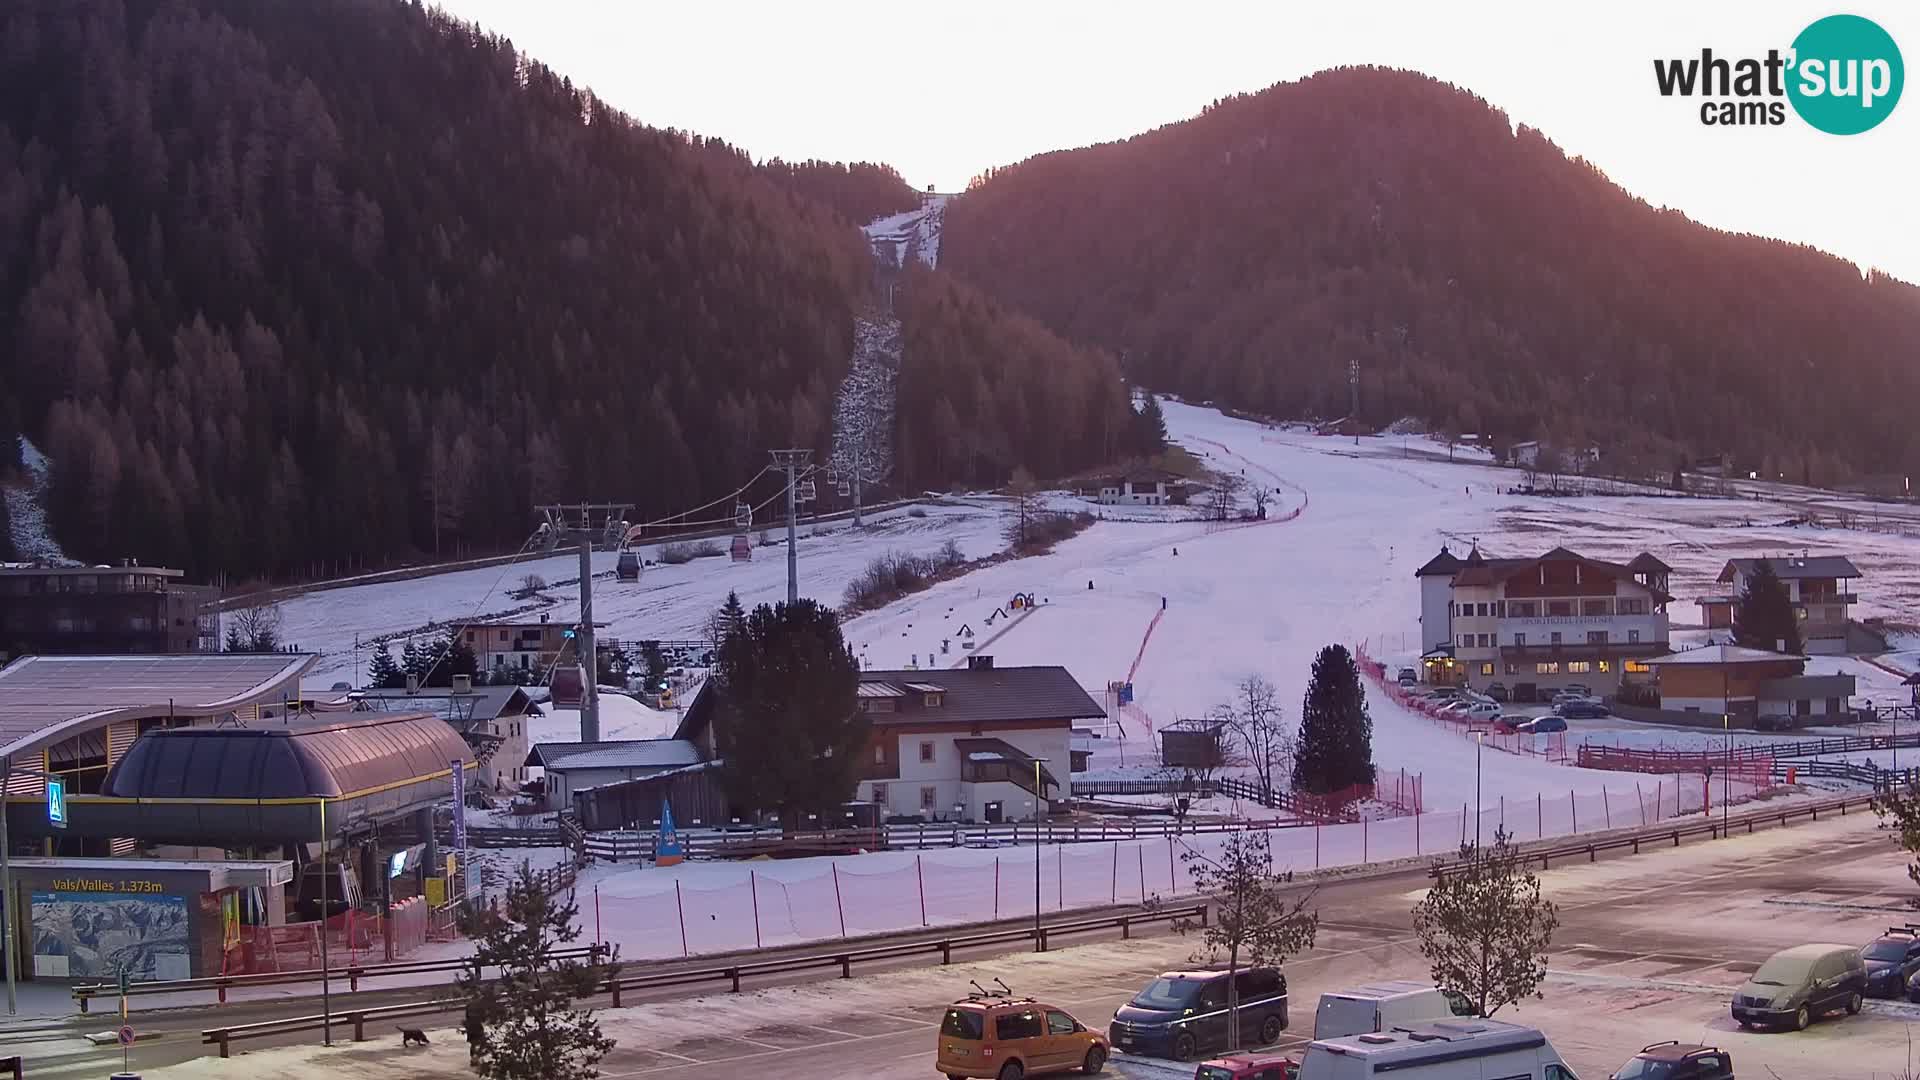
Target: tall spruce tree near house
x,y
1149,427
383,673
524,1025
1763,616
727,620
789,737
1336,733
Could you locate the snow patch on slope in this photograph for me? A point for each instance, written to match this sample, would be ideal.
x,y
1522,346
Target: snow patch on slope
x,y
910,234
27,508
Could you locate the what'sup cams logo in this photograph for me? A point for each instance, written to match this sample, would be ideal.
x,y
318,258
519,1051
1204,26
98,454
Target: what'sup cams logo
x,y
1843,75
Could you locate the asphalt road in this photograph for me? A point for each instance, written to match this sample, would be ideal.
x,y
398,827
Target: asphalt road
x,y
1649,947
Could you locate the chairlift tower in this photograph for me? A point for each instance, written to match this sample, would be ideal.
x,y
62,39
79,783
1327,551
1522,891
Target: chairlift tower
x,y
792,462
582,524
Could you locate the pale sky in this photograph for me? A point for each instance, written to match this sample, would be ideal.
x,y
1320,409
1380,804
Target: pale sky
x,y
942,92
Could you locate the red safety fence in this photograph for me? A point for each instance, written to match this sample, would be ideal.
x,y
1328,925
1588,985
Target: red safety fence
x,y
1755,771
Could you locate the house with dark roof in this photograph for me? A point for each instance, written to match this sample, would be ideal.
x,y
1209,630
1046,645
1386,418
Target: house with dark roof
x,y
1816,584
1745,684
576,766
979,743
1544,622
492,719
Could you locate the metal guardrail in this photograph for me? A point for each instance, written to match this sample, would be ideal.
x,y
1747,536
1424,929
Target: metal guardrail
x,y
351,974
1675,833
732,974
845,959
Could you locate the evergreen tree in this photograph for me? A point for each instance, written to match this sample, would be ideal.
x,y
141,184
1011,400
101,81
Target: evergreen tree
x,y
655,662
729,619
382,672
1763,616
1149,427
1336,733
790,739
457,658
413,662
527,1025
234,642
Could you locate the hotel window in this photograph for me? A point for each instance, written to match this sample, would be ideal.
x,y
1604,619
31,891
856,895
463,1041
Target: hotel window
x,y
1485,609
879,754
1596,637
1606,666
880,794
1637,606
929,798
1522,609
1559,607
1578,667
1486,669
1554,638
1547,667
1593,607
1635,667
1519,641
1513,668
1633,637
926,751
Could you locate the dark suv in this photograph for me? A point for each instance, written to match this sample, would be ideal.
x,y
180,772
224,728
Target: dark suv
x,y
1183,1014
1678,1061
1892,959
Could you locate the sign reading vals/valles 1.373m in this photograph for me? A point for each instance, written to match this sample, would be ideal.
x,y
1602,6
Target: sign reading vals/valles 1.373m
x,y
460,821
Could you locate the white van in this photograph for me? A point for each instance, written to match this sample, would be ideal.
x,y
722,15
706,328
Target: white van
x,y
1443,1050
1380,1006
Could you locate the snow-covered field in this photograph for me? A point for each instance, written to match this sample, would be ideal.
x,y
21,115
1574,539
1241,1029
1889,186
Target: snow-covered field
x,y
667,603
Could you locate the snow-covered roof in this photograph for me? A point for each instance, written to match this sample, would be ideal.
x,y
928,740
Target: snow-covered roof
x,y
1722,654
1795,566
625,754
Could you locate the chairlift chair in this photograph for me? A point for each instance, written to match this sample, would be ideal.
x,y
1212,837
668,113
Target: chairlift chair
x,y
803,491
742,515
846,488
569,686
627,567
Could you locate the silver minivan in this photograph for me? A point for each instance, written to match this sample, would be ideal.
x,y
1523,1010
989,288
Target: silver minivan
x,y
1796,985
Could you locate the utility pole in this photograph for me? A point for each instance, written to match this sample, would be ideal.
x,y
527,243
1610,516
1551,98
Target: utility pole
x,y
1353,389
588,653
792,461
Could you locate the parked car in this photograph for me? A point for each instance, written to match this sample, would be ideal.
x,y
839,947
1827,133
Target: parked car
x,y
1183,1014
1482,711
1445,693
1497,691
1677,1061
1581,708
1511,724
1015,1037
1383,1007
1544,725
1892,959
1408,676
1571,695
1796,985
1579,688
1248,1067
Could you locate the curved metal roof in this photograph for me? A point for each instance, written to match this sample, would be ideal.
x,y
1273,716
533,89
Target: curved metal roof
x,y
44,699
314,760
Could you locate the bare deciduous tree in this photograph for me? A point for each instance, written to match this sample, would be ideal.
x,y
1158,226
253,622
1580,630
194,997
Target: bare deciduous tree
x,y
1255,923
1258,728
1225,497
254,628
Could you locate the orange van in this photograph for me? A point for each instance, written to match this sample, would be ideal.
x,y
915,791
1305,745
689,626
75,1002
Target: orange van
x,y
1006,1039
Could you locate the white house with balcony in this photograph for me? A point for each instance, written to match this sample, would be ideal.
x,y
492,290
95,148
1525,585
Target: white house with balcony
x,y
1819,587
979,744
1542,623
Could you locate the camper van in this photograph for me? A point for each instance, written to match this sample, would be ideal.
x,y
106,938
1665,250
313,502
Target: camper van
x,y
1382,1007
1442,1050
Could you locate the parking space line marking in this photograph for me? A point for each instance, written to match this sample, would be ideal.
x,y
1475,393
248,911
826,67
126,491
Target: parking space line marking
x,y
830,1031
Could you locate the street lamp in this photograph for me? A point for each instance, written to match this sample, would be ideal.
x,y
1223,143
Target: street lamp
x,y
1479,744
1726,772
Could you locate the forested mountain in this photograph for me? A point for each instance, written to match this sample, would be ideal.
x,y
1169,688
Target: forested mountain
x,y
288,286
860,192
984,391
1478,277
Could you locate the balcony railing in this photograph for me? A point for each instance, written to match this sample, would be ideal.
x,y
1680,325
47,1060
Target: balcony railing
x,y
991,772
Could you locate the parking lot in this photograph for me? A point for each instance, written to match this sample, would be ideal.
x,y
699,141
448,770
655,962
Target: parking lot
x,y
1649,948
